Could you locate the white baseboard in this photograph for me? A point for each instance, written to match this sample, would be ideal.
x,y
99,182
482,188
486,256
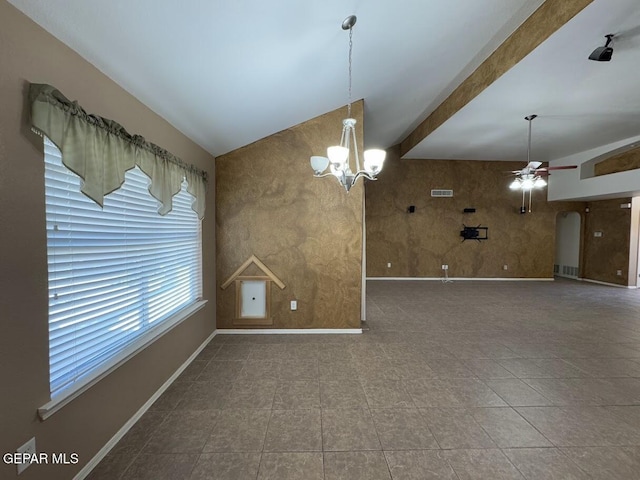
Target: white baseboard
x,y
286,331
97,458
470,279
569,277
633,287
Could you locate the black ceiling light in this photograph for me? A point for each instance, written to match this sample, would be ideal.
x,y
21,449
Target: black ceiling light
x,y
603,54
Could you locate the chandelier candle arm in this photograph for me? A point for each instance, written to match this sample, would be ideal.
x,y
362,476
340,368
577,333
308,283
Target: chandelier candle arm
x,y
339,156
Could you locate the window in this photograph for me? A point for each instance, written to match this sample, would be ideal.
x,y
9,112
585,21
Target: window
x,y
117,275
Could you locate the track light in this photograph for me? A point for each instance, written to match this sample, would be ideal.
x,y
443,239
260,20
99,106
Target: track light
x,y
603,54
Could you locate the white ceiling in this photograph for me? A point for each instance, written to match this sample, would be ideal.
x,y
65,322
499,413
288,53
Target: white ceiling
x,y
227,73
581,104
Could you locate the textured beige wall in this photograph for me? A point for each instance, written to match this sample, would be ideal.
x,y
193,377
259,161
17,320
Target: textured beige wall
x,y
622,162
604,255
308,231
418,244
29,54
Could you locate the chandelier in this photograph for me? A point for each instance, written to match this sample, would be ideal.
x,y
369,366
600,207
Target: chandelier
x,y
339,157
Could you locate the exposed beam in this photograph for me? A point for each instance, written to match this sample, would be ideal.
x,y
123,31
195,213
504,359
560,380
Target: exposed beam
x,y
546,20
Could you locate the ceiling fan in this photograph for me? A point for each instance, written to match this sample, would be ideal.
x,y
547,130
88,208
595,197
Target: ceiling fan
x,y
531,176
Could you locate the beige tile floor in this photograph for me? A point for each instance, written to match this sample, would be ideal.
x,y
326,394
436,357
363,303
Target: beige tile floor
x,y
466,380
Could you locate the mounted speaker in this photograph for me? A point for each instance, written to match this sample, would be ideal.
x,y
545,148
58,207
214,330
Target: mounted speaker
x,y
603,54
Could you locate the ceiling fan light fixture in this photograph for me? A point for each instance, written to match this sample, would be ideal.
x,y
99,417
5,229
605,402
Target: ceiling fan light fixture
x,y
527,183
539,182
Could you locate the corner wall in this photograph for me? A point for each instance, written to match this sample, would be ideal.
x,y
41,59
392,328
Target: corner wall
x,y
609,253
29,54
417,244
306,230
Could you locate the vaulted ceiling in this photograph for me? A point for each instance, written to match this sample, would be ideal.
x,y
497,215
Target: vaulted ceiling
x,y
229,73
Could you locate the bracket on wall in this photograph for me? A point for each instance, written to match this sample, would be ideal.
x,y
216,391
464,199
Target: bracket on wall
x,y
474,233
253,293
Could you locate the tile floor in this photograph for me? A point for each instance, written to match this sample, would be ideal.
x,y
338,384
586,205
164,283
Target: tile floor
x,y
466,380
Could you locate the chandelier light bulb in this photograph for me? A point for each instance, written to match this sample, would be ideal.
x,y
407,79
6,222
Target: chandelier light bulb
x,y
338,155
540,182
319,164
515,185
373,160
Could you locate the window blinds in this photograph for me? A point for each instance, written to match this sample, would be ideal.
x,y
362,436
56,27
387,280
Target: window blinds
x,y
114,273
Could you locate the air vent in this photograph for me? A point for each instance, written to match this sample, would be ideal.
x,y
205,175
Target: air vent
x,y
442,193
569,270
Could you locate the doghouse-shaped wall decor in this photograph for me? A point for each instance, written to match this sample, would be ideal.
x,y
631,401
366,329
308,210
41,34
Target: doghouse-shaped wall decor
x,y
253,293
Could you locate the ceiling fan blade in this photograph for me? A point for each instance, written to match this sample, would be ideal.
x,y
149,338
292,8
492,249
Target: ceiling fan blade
x,y
533,165
562,167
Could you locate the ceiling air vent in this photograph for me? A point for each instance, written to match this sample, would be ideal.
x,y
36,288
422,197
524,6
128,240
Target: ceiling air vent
x,y
442,193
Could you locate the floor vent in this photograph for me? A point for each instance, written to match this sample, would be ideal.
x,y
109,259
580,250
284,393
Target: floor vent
x,y
442,193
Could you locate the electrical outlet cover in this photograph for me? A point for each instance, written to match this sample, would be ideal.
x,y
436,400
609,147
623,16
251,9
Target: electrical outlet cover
x,y
28,448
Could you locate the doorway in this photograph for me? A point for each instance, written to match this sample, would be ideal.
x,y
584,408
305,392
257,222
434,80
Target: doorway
x,y
567,261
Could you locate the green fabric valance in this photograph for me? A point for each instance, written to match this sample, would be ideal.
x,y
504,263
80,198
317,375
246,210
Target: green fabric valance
x,y
100,151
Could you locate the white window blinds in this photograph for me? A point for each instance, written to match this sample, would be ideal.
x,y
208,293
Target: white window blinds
x,y
114,273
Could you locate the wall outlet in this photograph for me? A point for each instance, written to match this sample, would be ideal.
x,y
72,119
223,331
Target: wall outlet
x,y
505,267
28,449
389,265
619,273
597,234
294,305
445,267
